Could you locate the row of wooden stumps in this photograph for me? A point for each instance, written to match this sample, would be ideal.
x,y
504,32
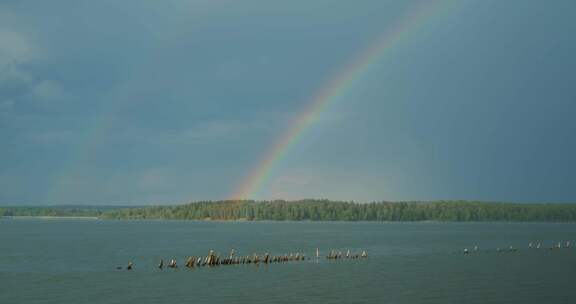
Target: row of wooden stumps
x,y
334,255
531,245
214,259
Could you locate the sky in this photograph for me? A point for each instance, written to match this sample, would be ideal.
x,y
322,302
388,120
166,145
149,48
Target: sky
x,y
155,102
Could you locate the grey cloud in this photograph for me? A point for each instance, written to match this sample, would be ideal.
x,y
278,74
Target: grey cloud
x,y
14,81
14,48
20,89
26,93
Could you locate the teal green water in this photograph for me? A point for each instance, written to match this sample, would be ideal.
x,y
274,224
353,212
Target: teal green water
x,y
73,261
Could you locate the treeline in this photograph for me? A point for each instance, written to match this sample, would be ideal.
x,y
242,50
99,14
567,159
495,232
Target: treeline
x,y
321,210
324,210
59,211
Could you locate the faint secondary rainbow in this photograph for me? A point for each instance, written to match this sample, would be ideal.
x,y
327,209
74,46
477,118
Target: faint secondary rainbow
x,y
334,88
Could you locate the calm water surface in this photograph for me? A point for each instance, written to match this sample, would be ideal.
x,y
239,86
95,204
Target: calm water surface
x,y
73,261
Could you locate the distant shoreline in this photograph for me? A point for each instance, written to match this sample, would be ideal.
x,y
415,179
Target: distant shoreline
x,y
45,217
312,210
91,218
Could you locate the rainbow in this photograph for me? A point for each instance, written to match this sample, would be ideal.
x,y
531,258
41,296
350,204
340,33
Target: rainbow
x,y
332,90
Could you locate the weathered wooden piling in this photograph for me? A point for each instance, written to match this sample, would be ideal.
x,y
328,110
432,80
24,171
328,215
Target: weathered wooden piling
x,y
190,262
172,264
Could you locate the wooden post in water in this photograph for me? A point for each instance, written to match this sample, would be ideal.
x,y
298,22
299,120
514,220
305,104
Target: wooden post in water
x,y
190,262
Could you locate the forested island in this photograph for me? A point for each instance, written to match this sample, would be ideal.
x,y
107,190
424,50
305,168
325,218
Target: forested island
x,y
319,210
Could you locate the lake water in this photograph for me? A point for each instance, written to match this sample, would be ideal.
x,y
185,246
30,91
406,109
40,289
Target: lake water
x,y
73,261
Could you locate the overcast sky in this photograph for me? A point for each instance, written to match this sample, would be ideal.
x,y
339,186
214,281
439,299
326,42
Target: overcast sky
x,y
133,102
